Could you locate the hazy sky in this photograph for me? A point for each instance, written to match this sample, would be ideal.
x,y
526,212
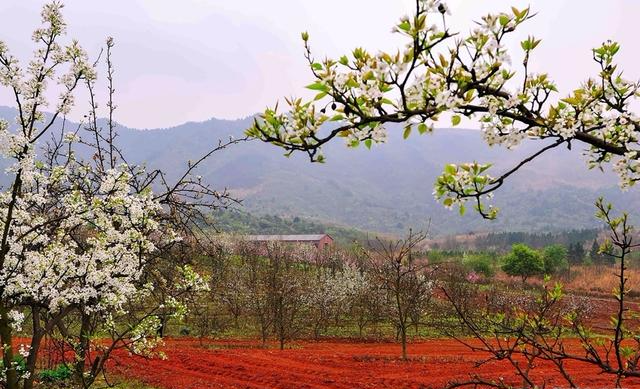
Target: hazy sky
x,y
190,60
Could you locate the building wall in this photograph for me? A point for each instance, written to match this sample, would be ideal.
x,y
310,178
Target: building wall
x,y
324,242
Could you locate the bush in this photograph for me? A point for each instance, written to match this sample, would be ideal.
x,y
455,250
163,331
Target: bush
x,y
523,261
480,263
59,374
554,258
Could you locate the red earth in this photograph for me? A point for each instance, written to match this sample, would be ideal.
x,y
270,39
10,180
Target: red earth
x,y
329,364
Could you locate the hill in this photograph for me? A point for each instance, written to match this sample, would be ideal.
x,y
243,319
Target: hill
x,y
387,189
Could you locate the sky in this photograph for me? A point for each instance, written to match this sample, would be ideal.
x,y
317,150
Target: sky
x,y
191,60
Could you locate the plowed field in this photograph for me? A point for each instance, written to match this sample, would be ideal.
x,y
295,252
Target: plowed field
x,y
328,364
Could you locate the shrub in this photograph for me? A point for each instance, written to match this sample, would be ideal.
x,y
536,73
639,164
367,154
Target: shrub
x,y
58,374
554,258
480,263
523,261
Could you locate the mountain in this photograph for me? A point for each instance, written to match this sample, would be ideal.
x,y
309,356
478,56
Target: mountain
x,y
387,189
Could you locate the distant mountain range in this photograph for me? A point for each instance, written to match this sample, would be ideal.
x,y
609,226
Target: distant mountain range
x,y
387,189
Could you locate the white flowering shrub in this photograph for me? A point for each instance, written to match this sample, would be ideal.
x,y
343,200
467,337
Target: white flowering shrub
x,y
465,75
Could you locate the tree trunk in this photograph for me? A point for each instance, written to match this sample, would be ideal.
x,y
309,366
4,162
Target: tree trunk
x,y
263,331
36,340
6,338
403,339
81,351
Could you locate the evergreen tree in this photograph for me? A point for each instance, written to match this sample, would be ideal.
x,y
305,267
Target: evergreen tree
x,y
576,253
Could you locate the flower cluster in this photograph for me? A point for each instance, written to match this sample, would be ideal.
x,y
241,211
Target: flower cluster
x,y
460,182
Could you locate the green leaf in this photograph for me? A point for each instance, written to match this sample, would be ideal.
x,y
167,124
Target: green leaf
x,y
407,132
320,95
504,19
455,120
344,60
305,36
422,128
318,86
571,100
450,168
368,143
316,66
368,76
405,25
462,210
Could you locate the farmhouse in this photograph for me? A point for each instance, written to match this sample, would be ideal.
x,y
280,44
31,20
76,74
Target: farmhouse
x,y
320,241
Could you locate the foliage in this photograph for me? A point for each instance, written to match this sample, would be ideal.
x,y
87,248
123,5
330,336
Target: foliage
x,y
481,263
599,258
59,373
554,258
576,253
18,363
523,261
501,240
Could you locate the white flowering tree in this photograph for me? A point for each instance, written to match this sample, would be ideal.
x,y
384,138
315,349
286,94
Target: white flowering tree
x,y
78,235
329,295
466,75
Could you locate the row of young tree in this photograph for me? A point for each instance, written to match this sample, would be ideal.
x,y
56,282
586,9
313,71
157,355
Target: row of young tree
x,y
284,291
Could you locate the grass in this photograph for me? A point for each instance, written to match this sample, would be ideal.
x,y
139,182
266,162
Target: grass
x,y
592,280
599,279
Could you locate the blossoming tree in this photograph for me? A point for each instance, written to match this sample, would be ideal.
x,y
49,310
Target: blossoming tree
x,y
466,75
79,226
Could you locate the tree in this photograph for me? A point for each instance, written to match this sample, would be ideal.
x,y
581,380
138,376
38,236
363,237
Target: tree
x,y
440,71
329,295
523,261
554,258
285,291
576,253
406,281
87,241
480,263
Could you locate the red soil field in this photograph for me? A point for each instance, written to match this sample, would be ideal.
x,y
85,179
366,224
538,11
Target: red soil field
x,y
329,364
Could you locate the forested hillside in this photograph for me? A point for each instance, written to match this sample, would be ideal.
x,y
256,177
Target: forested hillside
x,y
388,189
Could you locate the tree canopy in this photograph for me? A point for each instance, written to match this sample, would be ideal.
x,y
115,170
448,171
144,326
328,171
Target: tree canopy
x,y
524,262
